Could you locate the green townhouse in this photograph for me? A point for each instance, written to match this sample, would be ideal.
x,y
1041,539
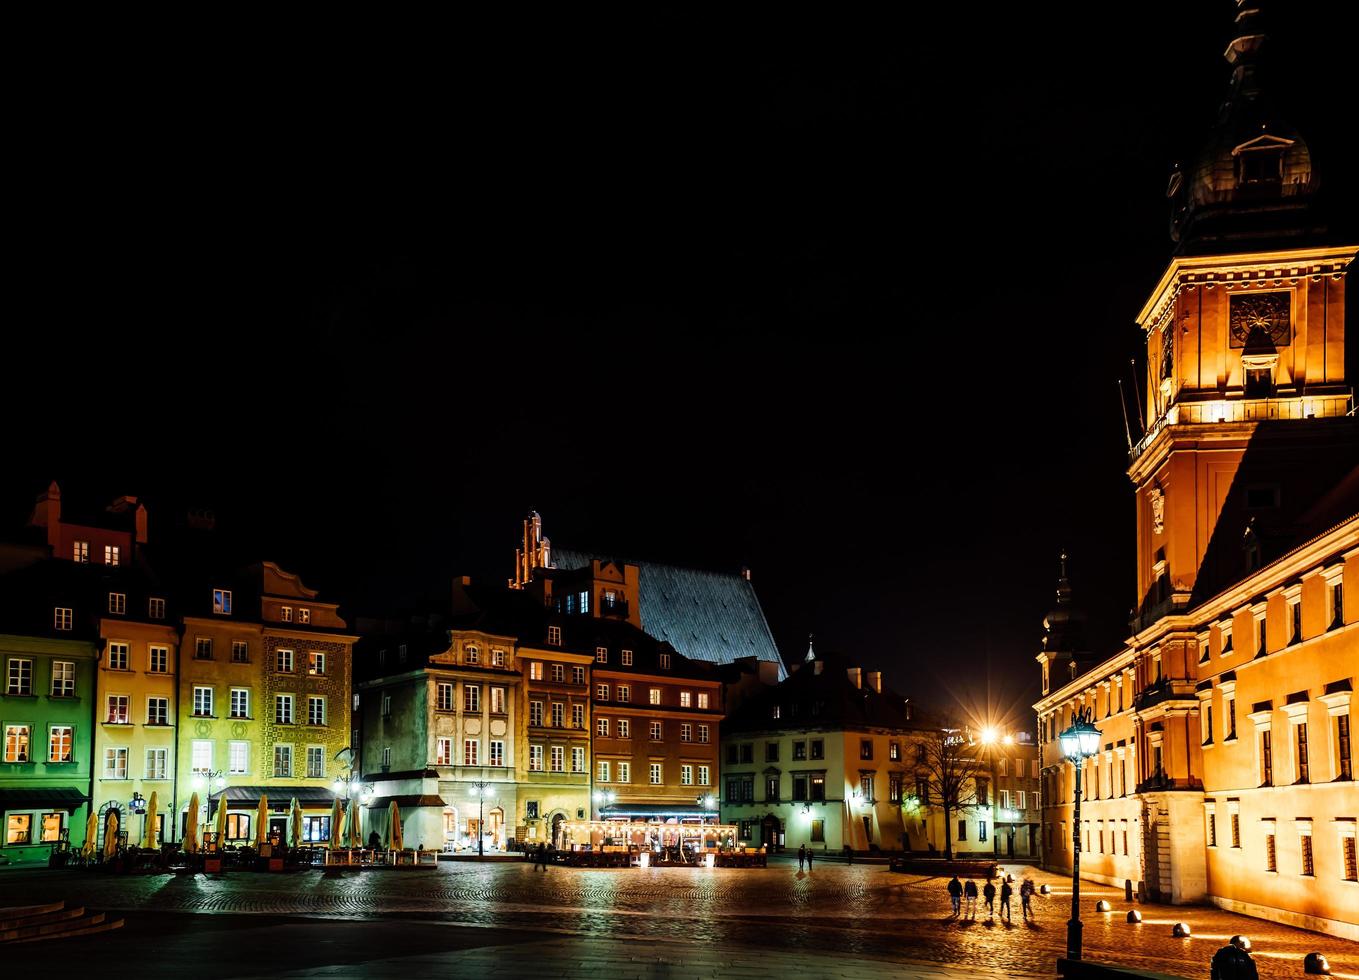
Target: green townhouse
x,y
48,653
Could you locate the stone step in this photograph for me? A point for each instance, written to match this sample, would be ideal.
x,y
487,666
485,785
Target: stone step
x,y
19,911
84,928
52,930
18,922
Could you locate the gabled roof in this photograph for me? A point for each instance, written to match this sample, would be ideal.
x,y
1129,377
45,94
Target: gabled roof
x,y
712,616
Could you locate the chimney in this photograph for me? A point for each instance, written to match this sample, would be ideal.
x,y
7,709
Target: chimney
x,y
875,680
47,513
855,676
141,523
745,572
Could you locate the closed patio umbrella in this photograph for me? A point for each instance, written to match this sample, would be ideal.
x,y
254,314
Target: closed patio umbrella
x,y
297,824
149,841
111,834
191,826
221,821
91,834
355,824
336,826
262,821
394,832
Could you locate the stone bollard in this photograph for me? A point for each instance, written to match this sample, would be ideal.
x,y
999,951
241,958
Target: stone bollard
x,y
1316,963
1181,930
1127,889
1134,916
1103,906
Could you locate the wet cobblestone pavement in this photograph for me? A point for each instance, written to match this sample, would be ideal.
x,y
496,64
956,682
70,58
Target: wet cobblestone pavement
x,y
859,911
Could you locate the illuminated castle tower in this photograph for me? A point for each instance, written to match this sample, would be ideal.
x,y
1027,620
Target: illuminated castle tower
x,y
1246,386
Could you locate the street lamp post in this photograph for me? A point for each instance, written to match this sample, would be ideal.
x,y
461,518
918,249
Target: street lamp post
x,y
1079,742
347,782
214,781
481,789
603,798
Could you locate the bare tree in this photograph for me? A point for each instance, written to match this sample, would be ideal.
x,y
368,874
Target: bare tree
x,y
949,759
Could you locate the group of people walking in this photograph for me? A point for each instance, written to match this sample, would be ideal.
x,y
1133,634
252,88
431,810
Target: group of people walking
x,y
804,857
959,894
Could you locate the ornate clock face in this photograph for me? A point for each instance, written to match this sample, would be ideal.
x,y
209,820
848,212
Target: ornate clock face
x,y
1261,319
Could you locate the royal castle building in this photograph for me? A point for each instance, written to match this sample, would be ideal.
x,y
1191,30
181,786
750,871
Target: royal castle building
x,y
1226,767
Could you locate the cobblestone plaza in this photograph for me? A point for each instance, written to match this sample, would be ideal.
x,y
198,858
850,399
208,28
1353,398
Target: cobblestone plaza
x,y
837,920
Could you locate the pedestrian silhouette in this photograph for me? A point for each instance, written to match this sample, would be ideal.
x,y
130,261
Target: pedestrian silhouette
x,y
801,856
989,894
955,893
1026,899
1005,891
970,893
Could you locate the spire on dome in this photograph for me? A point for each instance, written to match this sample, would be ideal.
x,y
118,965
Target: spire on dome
x,y
811,653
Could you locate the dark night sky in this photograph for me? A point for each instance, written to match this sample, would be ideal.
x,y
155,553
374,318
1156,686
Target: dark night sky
x,y
845,305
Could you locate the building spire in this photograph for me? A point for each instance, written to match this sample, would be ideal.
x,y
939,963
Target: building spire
x,y
1063,584
811,653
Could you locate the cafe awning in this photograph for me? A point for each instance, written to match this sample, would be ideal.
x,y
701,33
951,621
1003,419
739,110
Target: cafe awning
x,y
66,798
656,811
280,797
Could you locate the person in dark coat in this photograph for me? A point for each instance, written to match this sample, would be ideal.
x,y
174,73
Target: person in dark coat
x,y
1233,961
989,894
809,860
970,893
801,856
1005,892
1026,898
374,841
955,893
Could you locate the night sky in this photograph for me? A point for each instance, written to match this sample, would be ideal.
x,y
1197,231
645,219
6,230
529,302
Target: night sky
x,y
845,305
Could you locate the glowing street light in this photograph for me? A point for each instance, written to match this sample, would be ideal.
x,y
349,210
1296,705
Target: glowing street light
x,y
1079,742
989,735
481,790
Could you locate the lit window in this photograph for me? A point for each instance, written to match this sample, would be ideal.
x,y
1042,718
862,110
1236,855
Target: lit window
x,y
286,613
112,554
584,603
221,602
60,740
119,712
535,670
473,655
686,699
497,700
316,664
17,739
654,696
304,615
82,552
703,700
118,603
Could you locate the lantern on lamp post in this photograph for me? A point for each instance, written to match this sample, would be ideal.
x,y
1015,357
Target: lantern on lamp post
x,y
1079,742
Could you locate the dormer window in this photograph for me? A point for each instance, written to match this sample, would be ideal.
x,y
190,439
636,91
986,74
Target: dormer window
x,y
584,602
473,655
554,636
665,661
286,612
304,615
221,602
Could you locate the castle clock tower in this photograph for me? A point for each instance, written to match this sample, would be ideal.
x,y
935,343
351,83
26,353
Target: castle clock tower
x,y
1249,412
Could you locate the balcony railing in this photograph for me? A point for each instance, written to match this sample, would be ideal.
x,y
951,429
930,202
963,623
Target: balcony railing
x,y
617,606
1289,407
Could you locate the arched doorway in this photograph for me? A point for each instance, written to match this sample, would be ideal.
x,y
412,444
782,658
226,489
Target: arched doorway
x,y
769,833
557,820
116,806
495,826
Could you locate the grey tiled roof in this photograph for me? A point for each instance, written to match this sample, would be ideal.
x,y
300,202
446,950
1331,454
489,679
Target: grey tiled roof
x,y
712,616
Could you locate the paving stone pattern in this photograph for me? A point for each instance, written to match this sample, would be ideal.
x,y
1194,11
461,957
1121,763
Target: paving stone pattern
x,y
863,911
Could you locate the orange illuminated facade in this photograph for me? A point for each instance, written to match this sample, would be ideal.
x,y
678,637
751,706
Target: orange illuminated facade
x,y
1226,766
